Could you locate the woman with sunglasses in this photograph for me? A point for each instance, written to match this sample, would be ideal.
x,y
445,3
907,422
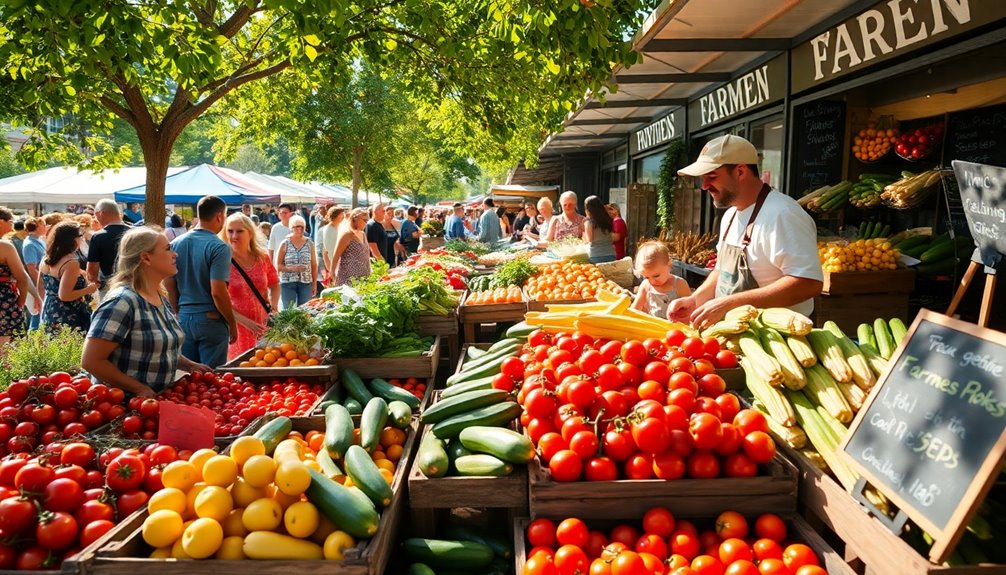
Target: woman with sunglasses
x,y
61,278
298,266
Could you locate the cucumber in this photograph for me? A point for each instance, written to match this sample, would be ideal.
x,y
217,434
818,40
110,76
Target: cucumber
x,y
332,395
520,330
399,414
475,352
486,369
461,403
353,514
865,334
328,467
473,385
885,342
375,416
382,388
482,464
432,457
273,432
353,407
365,474
500,442
898,330
491,415
420,569
444,553
912,242
338,431
501,547
505,342
355,387
939,252
456,449
916,251
479,363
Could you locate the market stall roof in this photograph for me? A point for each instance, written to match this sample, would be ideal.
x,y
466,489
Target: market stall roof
x,y
293,191
191,184
67,185
688,47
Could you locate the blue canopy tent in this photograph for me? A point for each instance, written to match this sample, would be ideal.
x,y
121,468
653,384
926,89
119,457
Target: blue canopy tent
x,y
188,186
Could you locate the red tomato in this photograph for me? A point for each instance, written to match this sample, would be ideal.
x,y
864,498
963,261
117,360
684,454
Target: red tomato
x,y
8,556
707,565
742,567
584,444
705,430
572,532
513,367
591,361
729,406
130,501
152,483
739,465
614,404
56,531
653,390
630,374
712,385
626,535
541,404
503,382
574,425
770,526
681,443
639,466
683,398
766,549
748,420
35,558
693,347
657,371
730,442
703,465
536,428
668,466
675,418
92,531
550,444
650,435
659,521
581,393
731,525
596,542
759,446
125,472
725,359
797,555
601,469
565,466
571,560
33,477
674,337
810,570
653,544
540,564
16,515
163,454
541,533
733,549
618,445
62,494
685,544
611,350
635,353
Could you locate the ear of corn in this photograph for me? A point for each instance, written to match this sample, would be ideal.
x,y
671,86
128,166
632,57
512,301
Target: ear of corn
x,y
877,363
619,306
823,390
865,334
618,327
814,457
725,327
829,354
821,435
792,436
744,313
862,375
606,296
763,364
786,321
898,330
801,350
854,395
885,342
594,306
775,345
776,405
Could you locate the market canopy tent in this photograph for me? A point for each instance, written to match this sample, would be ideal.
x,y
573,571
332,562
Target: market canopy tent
x,y
191,184
66,185
295,192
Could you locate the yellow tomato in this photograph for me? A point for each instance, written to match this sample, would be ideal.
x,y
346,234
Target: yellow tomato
x,y
168,498
243,493
190,499
336,543
162,528
161,553
262,515
293,478
325,528
245,447
199,458
231,549
181,475
259,470
214,502
301,519
178,550
283,499
233,526
220,470
202,538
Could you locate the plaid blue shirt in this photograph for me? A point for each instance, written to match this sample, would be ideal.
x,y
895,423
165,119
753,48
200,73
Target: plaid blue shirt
x,y
149,337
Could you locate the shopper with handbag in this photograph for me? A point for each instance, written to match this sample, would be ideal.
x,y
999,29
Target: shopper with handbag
x,y
253,285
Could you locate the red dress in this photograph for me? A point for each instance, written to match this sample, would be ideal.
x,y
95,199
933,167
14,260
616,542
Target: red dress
x,y
263,275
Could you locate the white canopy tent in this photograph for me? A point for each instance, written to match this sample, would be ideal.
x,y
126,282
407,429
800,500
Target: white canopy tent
x,y
65,185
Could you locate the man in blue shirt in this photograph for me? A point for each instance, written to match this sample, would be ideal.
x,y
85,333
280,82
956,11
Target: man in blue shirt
x,y
455,227
489,230
132,214
198,292
410,231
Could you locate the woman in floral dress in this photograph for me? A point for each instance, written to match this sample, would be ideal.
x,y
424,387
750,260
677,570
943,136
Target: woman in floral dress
x,y
61,277
352,253
247,251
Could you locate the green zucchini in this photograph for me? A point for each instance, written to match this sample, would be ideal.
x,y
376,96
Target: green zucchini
x,y
338,431
912,242
885,342
375,416
479,363
520,330
491,415
898,330
461,403
864,333
444,553
500,546
420,569
473,385
399,414
482,464
939,252
505,342
328,467
332,395
355,386
432,457
382,388
485,369
366,475
456,449
273,432
353,407
500,442
353,514
475,352
916,251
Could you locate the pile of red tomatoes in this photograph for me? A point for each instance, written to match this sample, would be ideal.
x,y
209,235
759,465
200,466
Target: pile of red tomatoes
x,y
603,410
56,503
236,402
668,546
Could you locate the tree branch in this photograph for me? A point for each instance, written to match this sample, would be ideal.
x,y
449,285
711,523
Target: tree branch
x,y
118,110
237,20
203,15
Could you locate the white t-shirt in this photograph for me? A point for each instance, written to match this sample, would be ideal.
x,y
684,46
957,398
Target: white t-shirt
x,y
783,242
276,236
329,239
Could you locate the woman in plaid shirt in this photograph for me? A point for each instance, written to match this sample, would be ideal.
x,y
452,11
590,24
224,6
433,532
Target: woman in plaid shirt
x,y
135,341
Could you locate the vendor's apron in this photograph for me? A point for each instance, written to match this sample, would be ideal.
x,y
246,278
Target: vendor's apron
x,y
732,261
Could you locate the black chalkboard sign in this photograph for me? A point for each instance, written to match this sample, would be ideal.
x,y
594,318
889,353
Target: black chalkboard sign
x,y
977,135
983,197
932,434
818,144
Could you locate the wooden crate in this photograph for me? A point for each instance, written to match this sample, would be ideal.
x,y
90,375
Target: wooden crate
x,y
325,369
424,401
848,311
473,316
826,502
539,305
774,491
881,281
125,552
442,325
799,532
370,367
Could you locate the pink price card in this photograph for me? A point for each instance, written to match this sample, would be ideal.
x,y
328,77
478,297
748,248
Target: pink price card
x,y
185,426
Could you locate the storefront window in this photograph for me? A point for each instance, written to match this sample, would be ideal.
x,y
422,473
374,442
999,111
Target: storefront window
x,y
767,137
648,169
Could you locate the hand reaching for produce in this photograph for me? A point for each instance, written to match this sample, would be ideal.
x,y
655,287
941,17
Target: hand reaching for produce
x,y
681,309
710,312
251,325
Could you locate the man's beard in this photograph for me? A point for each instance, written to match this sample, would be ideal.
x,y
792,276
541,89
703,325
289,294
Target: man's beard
x,y
726,197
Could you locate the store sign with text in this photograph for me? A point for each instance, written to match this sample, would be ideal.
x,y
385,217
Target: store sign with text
x,y
889,29
763,85
662,131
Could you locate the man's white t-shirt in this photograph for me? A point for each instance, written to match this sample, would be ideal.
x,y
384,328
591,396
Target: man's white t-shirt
x,y
329,239
783,242
276,236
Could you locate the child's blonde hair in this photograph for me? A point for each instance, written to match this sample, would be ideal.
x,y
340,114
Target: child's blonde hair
x,y
651,253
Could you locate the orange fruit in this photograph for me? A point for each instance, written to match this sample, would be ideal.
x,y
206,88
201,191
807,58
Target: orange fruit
x,y
295,362
285,348
261,363
281,362
303,357
290,354
259,353
269,358
311,361
245,364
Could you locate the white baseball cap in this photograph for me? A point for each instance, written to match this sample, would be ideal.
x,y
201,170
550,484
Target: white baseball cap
x,y
724,150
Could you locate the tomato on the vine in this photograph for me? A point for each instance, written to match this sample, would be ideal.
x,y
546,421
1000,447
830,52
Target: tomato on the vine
x,y
125,472
600,469
56,530
565,465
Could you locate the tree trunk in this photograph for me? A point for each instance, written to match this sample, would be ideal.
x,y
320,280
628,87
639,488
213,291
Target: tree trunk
x,y
358,175
156,157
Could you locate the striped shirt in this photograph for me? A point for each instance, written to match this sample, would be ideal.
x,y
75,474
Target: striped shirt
x,y
295,256
149,336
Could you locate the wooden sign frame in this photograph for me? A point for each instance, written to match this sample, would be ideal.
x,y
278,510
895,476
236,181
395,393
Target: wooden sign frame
x,y
944,539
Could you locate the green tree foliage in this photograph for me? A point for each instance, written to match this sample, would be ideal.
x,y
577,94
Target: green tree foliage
x,y
8,165
667,186
158,64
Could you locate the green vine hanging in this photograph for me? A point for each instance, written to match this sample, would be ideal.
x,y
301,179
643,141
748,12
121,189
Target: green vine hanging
x,y
673,160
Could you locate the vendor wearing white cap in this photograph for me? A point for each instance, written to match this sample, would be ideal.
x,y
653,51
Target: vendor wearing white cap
x,y
767,250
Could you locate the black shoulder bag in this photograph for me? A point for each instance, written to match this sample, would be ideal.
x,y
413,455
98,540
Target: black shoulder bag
x,y
261,300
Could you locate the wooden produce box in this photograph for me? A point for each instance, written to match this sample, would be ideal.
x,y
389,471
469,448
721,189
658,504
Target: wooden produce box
x,y
539,305
826,502
369,367
324,369
443,325
473,316
126,553
852,298
774,491
883,281
799,532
